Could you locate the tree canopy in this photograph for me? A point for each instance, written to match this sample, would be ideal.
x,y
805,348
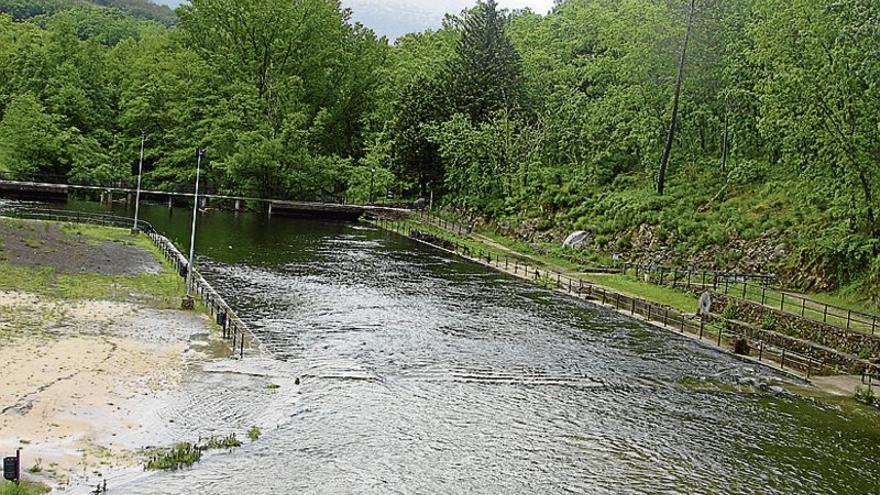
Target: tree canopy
x,y
561,118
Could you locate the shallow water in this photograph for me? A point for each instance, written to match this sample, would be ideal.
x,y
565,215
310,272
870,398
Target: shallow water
x,y
421,373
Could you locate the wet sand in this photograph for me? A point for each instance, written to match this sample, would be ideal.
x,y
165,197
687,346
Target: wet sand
x,y
83,382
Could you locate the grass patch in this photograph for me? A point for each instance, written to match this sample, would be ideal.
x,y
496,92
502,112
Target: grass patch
x,y
631,286
32,243
25,488
159,290
866,396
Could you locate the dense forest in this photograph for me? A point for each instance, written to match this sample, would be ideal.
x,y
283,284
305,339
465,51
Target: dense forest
x,y
738,134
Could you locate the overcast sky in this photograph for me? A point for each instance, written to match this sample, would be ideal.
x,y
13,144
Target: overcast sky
x,y
393,18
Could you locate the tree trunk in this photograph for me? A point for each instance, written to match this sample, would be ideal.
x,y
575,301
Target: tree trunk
x,y
664,161
869,202
724,146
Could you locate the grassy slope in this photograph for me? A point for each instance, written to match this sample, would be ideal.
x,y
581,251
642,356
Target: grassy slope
x,y
703,222
627,284
161,290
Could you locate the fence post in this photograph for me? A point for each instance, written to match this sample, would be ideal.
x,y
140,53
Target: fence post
x,y
761,351
825,315
803,307
783,358
782,303
763,295
745,286
848,321
873,324
720,331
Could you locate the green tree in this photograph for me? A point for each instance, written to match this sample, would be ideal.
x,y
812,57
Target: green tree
x,y
485,75
31,139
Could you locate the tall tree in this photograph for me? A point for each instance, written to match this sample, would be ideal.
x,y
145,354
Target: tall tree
x,y
673,122
486,74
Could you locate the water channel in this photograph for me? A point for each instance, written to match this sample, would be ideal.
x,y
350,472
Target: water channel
x,y
423,373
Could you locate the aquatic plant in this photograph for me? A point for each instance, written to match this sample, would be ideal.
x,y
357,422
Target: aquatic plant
x,y
186,454
255,433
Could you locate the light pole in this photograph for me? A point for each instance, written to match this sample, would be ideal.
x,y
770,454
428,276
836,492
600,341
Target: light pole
x,y
372,175
188,299
137,201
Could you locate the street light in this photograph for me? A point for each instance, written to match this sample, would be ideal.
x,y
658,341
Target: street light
x,y
137,201
188,299
372,175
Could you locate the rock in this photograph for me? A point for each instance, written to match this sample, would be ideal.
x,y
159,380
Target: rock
x,y
420,204
296,381
578,240
746,381
778,391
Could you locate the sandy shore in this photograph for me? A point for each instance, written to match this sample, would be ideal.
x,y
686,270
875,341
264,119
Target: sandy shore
x,y
82,380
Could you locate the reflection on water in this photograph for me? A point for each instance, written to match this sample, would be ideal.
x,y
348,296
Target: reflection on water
x,y
424,374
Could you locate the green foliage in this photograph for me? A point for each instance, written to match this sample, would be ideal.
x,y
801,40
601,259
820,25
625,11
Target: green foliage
x,y
485,75
30,138
255,433
730,311
186,454
769,322
866,396
25,488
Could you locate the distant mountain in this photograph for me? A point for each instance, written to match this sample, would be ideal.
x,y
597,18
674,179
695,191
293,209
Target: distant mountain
x,y
143,9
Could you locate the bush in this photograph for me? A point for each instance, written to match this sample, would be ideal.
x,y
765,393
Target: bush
x,y
731,311
866,395
769,322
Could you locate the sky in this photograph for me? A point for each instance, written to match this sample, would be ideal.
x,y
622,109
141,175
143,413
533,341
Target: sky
x,y
393,18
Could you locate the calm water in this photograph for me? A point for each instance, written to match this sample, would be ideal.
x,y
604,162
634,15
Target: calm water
x,y
425,374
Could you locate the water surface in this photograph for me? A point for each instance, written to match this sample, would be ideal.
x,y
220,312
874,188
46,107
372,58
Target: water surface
x,y
422,373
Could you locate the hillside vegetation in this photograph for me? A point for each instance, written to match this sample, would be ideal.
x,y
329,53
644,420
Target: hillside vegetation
x,y
538,124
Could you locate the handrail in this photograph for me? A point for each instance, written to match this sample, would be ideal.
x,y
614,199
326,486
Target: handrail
x,y
670,317
233,327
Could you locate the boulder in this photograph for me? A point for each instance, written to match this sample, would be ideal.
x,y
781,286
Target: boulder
x,y
420,204
578,240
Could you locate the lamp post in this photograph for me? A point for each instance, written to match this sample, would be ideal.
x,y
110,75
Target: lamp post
x,y
137,201
372,175
188,299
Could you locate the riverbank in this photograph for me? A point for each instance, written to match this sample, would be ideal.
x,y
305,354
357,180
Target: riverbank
x,y
94,347
633,297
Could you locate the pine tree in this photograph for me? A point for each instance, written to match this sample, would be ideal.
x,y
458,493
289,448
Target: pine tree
x,y
486,74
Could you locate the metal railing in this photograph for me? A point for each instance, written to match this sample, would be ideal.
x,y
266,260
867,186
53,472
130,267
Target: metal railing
x,y
722,332
232,326
738,285
207,187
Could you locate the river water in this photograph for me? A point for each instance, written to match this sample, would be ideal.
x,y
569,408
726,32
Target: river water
x,y
422,373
